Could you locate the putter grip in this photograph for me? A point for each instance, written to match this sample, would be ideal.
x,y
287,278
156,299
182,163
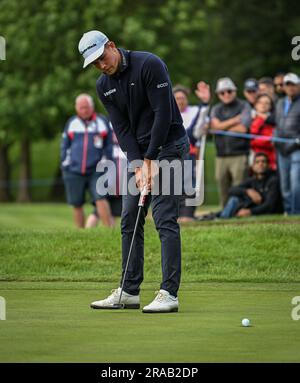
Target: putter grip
x,y
143,196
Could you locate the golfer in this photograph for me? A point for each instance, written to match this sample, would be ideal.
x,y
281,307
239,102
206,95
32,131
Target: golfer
x,y
136,91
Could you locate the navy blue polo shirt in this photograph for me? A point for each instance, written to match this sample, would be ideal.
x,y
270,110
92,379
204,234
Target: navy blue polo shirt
x,y
140,104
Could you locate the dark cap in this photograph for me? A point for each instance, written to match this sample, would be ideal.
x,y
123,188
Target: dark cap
x,y
251,84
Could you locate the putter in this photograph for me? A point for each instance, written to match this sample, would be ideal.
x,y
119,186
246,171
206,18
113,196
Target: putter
x,y
141,204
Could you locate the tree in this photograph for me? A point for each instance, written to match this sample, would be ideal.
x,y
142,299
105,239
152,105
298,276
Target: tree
x,y
205,39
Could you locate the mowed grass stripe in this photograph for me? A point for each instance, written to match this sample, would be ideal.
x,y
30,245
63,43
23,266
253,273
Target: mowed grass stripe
x,y
59,326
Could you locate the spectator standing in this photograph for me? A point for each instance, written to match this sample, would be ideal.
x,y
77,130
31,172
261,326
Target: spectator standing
x,y
288,126
232,152
251,91
115,184
194,120
266,86
250,94
85,140
262,124
278,84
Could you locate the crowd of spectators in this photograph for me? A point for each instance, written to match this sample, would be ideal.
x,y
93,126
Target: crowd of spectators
x,y
257,141
263,127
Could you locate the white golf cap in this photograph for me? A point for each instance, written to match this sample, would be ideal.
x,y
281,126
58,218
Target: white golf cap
x,y
91,46
225,83
291,77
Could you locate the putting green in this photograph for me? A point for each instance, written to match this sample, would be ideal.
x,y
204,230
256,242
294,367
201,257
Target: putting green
x,y
52,322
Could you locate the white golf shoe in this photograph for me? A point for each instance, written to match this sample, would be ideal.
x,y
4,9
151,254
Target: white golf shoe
x,y
164,302
129,301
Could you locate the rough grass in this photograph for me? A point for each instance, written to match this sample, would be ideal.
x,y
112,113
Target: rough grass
x,y
39,243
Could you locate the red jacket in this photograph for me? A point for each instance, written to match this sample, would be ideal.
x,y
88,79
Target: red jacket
x,y
259,127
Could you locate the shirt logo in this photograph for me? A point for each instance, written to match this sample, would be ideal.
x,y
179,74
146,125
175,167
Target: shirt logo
x,y
164,84
132,84
110,92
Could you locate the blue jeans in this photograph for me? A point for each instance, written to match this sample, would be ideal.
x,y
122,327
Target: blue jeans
x,y
230,207
165,212
289,173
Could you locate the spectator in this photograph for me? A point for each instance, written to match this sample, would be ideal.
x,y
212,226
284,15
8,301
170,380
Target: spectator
x,y
288,126
257,195
278,84
193,120
251,91
262,124
115,185
232,152
85,140
266,86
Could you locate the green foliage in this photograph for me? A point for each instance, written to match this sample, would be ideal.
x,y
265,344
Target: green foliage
x,y
198,40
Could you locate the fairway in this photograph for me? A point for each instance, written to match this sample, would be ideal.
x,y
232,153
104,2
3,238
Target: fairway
x,y
52,322
50,272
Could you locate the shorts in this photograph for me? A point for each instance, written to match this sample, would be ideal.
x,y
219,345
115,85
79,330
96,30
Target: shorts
x,y
76,186
115,204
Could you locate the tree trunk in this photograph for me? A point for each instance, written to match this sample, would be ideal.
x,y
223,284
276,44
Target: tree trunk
x,y
25,171
4,173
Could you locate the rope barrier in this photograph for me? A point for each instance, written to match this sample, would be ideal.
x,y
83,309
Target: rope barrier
x,y
256,136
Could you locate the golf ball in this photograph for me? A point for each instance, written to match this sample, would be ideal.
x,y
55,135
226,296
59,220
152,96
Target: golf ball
x,y
245,322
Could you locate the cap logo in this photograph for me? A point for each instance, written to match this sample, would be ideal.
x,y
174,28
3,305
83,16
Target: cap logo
x,y
89,47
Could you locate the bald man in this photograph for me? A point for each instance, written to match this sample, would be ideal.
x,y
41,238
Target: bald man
x,y
86,138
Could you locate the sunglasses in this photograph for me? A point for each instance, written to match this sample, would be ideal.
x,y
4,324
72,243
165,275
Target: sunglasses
x,y
225,91
281,85
251,91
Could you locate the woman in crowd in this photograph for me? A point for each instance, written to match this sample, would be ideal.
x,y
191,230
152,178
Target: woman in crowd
x,y
263,124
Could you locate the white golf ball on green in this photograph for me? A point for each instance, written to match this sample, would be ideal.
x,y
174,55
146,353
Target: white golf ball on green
x,y
246,322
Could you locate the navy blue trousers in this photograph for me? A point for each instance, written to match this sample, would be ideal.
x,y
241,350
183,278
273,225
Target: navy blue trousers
x,y
165,212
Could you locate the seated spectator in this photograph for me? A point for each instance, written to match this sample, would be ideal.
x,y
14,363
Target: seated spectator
x,y
279,85
86,139
194,119
232,152
266,86
263,124
257,195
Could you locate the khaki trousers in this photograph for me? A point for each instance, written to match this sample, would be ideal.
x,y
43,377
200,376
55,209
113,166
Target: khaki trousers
x,y
230,171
